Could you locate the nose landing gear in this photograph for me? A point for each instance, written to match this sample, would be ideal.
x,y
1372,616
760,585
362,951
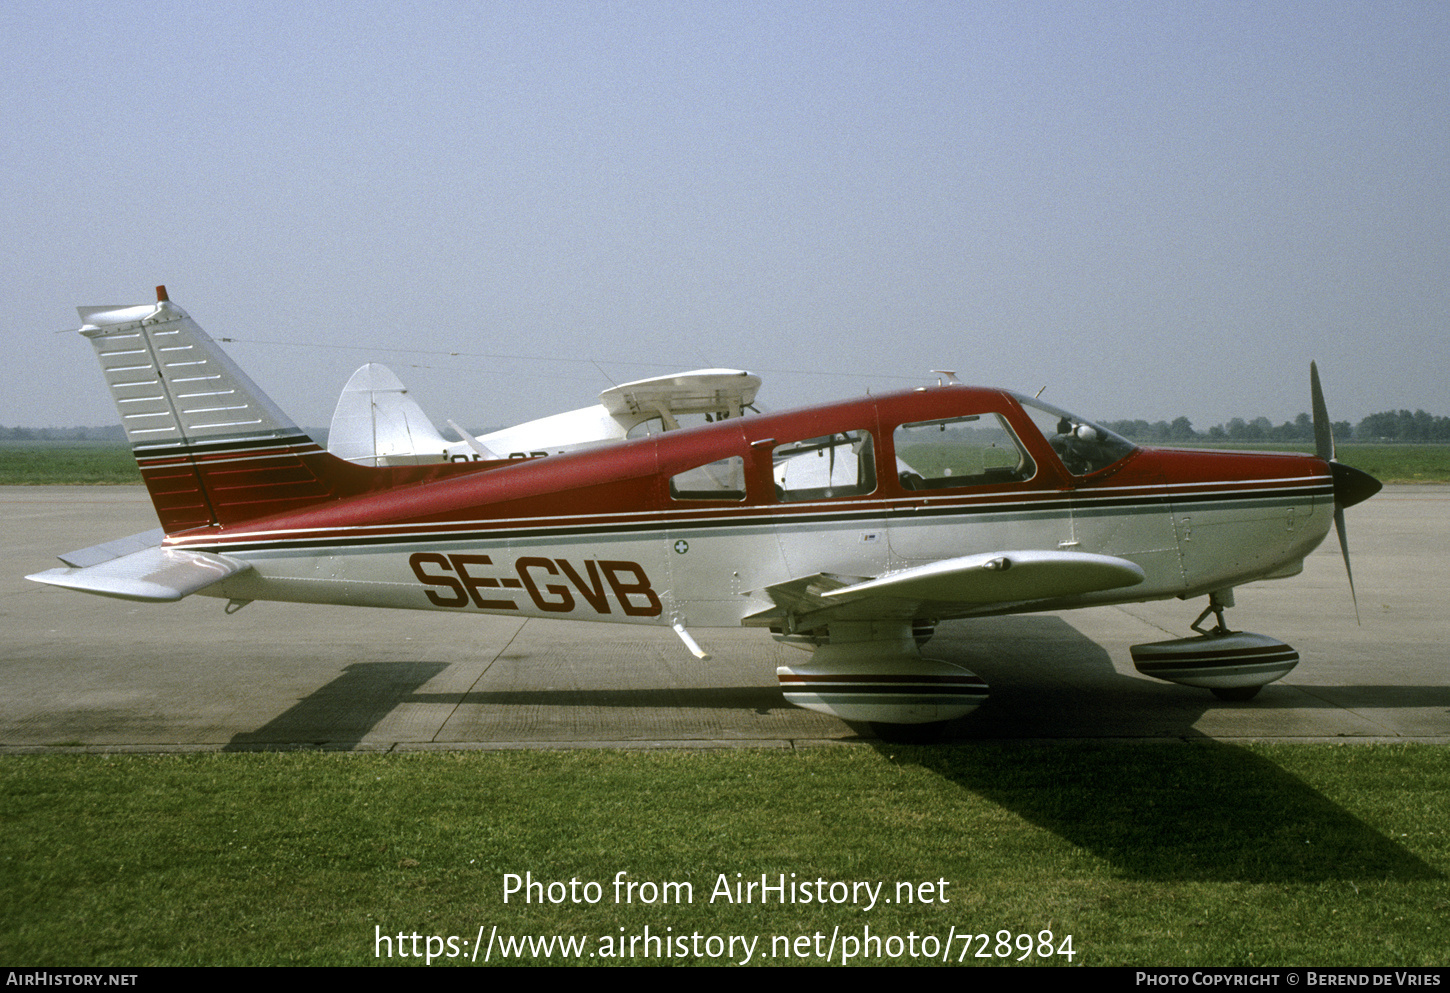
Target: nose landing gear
x,y
1233,665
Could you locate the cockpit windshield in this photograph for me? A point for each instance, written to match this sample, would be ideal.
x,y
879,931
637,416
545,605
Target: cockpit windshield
x,y
1084,447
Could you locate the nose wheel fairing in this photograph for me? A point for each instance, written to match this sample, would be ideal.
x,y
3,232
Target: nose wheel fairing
x,y
1229,661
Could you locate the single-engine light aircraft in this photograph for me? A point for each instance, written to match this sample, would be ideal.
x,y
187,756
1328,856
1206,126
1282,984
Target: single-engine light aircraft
x,y
849,530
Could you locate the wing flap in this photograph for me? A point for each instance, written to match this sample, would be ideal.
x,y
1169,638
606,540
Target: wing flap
x,y
151,575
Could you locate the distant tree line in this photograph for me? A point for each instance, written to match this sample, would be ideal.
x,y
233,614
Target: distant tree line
x,y
105,435
1401,425
108,435
1390,426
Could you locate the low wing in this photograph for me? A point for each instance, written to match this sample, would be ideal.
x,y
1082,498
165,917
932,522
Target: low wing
x,y
139,568
971,584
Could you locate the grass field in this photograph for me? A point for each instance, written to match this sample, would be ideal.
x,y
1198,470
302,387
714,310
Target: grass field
x,y
40,463
1387,463
53,463
1146,854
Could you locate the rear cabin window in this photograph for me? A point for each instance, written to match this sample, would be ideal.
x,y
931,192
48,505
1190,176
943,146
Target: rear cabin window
x,y
723,479
836,465
976,450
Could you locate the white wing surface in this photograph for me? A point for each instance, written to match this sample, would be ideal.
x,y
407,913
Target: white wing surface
x,y
969,584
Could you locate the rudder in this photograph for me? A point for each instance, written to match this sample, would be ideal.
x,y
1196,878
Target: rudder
x,y
213,449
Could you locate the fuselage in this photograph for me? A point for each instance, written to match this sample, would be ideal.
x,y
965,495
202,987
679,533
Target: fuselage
x,y
692,525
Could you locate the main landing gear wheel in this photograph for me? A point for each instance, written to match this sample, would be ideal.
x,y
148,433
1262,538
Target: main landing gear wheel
x,y
871,671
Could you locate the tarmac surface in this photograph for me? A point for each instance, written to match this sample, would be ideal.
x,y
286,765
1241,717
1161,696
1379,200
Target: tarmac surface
x,y
84,673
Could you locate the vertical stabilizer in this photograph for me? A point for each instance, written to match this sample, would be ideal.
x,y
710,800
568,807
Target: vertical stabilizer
x,y
212,447
377,423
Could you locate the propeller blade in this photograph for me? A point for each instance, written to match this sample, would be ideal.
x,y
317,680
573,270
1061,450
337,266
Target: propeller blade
x,y
1323,430
1344,550
1351,486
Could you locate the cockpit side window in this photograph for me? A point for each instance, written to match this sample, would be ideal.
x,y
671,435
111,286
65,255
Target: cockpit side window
x,y
834,465
1084,447
723,479
975,450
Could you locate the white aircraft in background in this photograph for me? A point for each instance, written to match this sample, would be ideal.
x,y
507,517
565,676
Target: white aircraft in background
x,y
377,423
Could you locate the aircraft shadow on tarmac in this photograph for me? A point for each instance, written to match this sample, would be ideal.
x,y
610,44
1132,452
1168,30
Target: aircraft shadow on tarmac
x,y
339,714
1030,696
1047,681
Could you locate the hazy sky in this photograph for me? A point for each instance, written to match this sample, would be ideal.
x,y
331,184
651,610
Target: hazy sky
x,y
1151,209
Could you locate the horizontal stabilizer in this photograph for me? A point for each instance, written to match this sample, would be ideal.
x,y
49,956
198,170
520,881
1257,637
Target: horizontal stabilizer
x,y
151,575
109,550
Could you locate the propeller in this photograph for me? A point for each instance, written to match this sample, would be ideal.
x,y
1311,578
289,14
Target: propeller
x,y
1351,486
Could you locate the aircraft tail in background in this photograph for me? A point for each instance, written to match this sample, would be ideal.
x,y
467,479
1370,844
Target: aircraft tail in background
x,y
377,423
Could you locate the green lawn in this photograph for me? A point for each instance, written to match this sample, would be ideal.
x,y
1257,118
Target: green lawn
x,y
1399,463
1145,854
34,463
1387,463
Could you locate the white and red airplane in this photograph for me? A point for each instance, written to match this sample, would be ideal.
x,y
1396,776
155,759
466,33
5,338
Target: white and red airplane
x,y
848,529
